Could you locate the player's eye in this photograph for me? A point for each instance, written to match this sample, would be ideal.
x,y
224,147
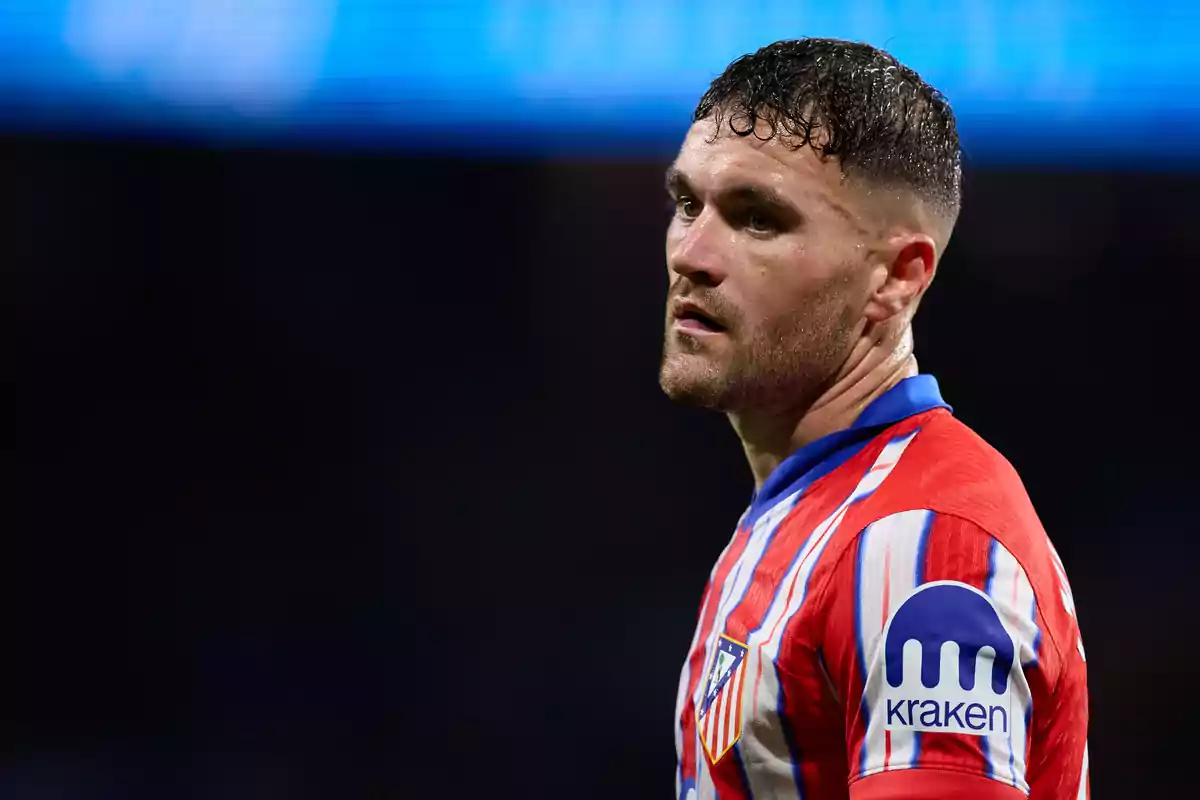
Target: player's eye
x,y
687,207
760,222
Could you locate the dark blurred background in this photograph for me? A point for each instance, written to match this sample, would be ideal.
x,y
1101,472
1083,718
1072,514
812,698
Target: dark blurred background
x,y
341,469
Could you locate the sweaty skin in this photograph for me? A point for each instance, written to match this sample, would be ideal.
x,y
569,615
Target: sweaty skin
x,y
810,277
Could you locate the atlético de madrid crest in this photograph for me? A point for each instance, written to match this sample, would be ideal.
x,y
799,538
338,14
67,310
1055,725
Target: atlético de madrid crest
x,y
719,717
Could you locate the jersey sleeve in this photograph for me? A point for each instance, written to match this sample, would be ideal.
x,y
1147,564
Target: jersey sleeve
x,y
953,680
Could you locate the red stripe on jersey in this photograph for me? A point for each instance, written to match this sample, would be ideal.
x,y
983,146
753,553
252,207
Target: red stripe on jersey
x,y
957,551
789,552
839,650
728,782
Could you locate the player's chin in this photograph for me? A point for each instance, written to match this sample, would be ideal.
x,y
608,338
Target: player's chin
x,y
691,383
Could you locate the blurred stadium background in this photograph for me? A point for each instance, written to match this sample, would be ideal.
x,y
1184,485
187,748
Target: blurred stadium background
x,y
341,468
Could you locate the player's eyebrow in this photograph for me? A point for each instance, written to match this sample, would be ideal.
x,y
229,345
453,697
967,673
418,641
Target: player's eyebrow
x,y
761,195
677,182
742,193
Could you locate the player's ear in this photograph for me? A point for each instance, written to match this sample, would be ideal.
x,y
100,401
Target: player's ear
x,y
908,261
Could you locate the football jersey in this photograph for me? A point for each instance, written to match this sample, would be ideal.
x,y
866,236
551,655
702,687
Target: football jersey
x,y
889,620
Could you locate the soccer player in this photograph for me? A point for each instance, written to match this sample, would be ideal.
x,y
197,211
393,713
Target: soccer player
x,y
889,619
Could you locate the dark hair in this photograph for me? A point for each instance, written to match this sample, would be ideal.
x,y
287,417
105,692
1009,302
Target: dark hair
x,y
846,100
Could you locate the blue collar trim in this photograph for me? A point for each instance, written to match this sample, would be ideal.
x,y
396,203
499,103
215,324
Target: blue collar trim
x,y
909,397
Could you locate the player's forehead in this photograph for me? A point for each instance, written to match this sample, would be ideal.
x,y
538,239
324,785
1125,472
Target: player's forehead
x,y
712,159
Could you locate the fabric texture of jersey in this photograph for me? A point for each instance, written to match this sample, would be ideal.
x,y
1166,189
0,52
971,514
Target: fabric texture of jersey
x,y
889,620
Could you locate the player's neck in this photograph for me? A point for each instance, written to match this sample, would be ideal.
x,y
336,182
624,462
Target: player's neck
x,y
875,365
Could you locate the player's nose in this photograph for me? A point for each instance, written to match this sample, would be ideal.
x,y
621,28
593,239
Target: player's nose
x,y
695,251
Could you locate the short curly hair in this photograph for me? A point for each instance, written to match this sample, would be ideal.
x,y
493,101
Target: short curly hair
x,y
846,100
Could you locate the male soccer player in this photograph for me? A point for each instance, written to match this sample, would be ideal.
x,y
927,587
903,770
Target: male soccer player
x,y
889,619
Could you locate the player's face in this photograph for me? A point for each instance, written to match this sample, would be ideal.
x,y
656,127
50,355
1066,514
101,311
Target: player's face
x,y
766,261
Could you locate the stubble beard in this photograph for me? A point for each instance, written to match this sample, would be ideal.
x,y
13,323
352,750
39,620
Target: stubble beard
x,y
785,365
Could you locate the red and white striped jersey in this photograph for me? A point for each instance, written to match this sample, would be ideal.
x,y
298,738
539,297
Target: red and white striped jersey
x,y
889,620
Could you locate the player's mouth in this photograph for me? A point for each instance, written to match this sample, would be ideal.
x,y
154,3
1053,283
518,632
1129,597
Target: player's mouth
x,y
691,318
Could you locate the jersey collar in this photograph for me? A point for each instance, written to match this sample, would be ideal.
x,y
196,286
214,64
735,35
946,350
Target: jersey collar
x,y
907,398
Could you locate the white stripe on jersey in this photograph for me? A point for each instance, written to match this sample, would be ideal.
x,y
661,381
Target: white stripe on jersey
x,y
1083,777
889,552
731,594
765,746
1010,584
1013,595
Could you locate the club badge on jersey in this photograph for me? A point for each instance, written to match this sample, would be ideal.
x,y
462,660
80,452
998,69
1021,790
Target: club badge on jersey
x,y
719,717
